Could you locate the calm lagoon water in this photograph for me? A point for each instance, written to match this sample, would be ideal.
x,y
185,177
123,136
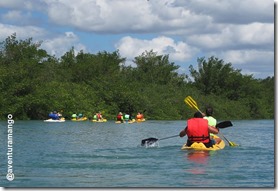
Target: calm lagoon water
x,y
87,154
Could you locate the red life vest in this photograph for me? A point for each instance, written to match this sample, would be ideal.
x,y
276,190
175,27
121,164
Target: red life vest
x,y
139,116
119,117
99,116
197,130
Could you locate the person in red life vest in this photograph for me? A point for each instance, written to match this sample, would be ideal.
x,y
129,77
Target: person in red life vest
x,y
139,116
198,130
99,116
120,117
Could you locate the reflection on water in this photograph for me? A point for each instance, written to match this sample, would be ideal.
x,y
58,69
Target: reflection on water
x,y
200,159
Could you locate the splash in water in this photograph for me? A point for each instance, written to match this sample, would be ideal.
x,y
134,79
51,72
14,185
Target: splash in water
x,y
152,145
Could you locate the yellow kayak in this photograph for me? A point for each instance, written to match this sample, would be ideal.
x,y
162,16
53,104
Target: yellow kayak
x,y
99,121
80,119
140,120
201,146
57,120
129,121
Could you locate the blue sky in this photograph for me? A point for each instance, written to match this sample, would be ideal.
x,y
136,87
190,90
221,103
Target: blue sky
x,y
240,32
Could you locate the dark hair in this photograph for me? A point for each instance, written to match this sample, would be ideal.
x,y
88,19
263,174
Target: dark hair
x,y
198,115
209,111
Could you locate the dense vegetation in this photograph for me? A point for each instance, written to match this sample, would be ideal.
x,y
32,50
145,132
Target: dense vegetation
x,y
33,83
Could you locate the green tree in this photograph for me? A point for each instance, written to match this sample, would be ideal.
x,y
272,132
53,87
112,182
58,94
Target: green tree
x,y
21,66
32,84
153,68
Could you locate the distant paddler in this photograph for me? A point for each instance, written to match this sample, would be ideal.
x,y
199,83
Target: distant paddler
x,y
120,118
95,117
126,117
211,121
74,116
54,115
99,116
140,117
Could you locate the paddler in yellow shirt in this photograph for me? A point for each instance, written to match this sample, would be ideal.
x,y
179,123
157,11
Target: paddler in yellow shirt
x,y
211,121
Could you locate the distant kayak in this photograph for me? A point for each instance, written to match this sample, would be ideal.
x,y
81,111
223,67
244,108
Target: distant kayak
x,y
129,121
132,121
55,120
80,119
99,121
140,120
201,146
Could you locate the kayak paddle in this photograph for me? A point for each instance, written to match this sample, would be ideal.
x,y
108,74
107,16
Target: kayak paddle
x,y
193,104
223,125
152,140
232,144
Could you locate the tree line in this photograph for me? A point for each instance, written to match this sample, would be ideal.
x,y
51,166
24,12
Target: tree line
x,y
34,83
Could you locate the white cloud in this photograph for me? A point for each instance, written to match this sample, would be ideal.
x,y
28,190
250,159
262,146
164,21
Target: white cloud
x,y
255,33
164,16
252,35
122,16
239,28
257,62
232,12
90,15
22,32
17,17
59,45
26,4
178,51
247,56
12,15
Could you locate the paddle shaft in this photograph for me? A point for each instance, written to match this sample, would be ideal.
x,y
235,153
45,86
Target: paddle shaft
x,y
230,142
152,140
169,137
224,137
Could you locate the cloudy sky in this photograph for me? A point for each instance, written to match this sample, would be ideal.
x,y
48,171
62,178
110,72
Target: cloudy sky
x,y
238,31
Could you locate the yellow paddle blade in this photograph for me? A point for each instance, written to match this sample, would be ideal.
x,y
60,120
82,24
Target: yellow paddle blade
x,y
191,102
233,144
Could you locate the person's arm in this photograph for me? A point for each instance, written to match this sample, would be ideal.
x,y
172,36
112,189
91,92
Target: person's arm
x,y
213,130
183,132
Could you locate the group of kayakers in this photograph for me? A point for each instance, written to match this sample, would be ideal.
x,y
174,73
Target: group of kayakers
x,y
80,117
201,128
126,117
